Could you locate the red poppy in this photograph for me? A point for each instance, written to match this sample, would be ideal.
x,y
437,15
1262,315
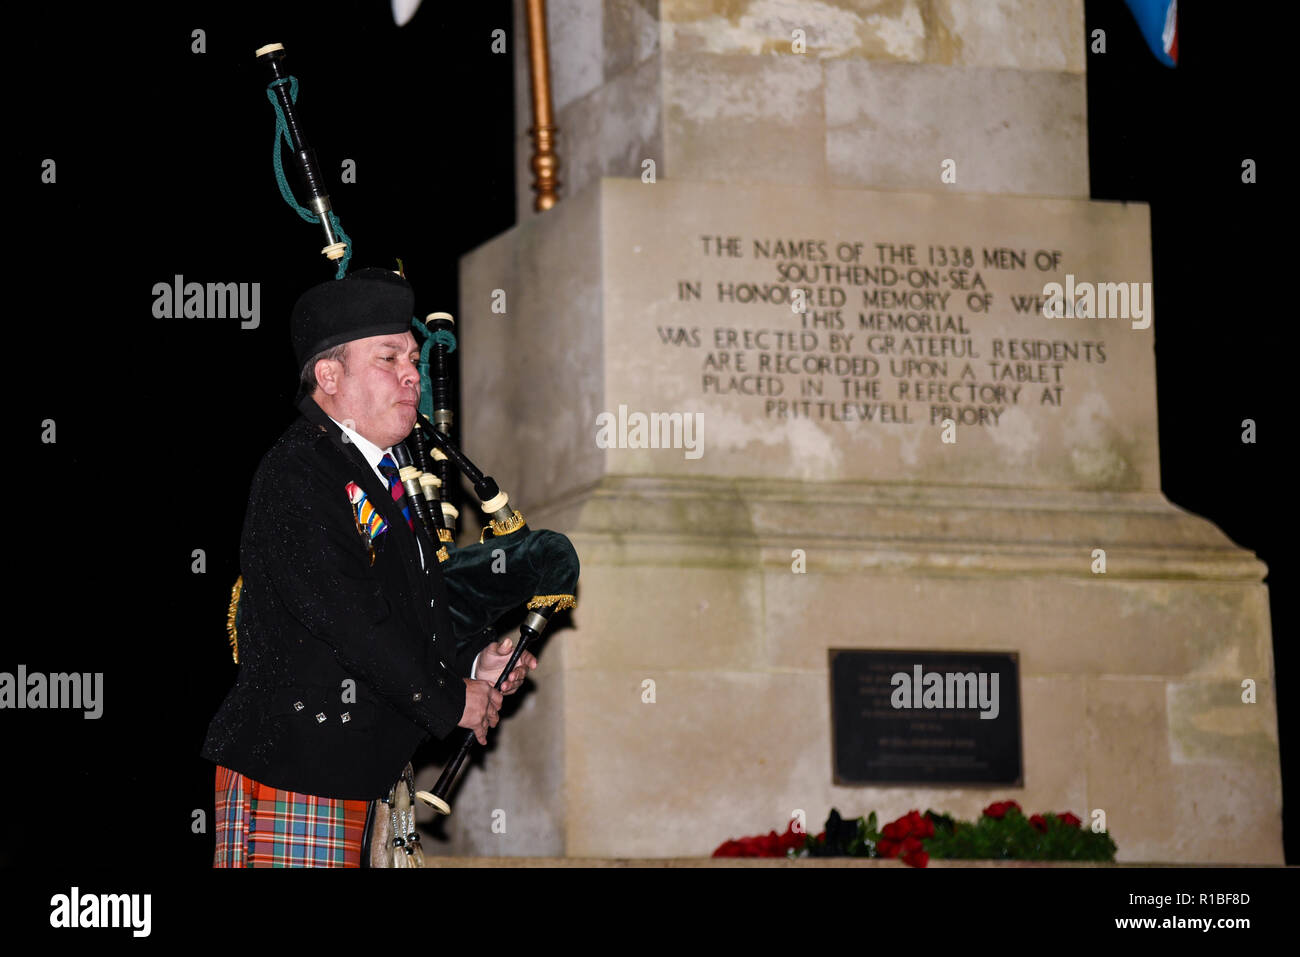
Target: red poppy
x,y
914,853
1068,819
770,844
917,859
998,809
792,839
911,824
1039,823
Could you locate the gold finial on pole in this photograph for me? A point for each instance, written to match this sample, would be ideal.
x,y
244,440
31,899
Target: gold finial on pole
x,y
545,163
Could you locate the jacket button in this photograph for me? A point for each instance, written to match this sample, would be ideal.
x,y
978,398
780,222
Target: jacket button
x,y
297,706
320,718
417,696
430,602
345,717
441,683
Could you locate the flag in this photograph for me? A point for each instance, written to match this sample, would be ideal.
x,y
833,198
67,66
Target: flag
x,y
1158,21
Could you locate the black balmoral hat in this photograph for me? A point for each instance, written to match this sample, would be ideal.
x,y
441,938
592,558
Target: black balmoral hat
x,y
369,302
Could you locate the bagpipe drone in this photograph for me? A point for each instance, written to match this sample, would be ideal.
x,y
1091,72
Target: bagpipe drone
x,y
512,565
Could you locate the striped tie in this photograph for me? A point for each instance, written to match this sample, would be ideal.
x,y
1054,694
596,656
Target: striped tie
x,y
389,469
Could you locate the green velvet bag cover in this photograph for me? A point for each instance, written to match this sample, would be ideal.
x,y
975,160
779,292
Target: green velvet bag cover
x,y
490,579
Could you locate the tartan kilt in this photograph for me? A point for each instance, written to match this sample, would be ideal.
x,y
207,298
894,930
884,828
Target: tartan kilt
x,y
261,826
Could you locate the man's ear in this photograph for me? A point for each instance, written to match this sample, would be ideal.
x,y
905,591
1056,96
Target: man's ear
x,y
327,373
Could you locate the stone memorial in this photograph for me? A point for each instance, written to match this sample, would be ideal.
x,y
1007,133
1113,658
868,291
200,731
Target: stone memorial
x,y
793,387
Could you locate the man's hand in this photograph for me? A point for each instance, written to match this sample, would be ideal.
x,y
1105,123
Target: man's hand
x,y
496,656
482,708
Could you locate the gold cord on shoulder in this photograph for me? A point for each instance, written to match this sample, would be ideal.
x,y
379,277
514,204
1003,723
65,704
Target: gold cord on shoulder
x,y
560,602
230,617
442,554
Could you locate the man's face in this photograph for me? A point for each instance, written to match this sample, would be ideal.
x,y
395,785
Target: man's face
x,y
377,388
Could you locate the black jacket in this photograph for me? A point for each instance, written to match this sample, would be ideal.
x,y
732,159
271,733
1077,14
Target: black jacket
x,y
316,612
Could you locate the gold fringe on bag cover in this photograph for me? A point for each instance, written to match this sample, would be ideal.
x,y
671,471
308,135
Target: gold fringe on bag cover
x,y
230,618
442,554
560,602
502,528
444,535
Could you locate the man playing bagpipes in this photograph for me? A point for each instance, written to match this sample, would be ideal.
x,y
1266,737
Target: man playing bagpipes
x,y
347,651
359,626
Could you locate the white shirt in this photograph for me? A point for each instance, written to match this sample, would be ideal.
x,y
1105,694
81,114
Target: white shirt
x,y
374,455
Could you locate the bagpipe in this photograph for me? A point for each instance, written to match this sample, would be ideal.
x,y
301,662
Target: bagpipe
x,y
511,565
